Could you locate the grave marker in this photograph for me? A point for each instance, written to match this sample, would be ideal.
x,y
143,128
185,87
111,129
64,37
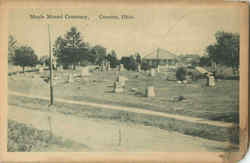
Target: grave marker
x,y
152,72
158,69
210,81
121,80
150,92
121,67
40,69
138,68
118,87
84,72
70,78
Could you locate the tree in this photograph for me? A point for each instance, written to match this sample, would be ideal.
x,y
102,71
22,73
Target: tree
x,y
138,58
58,47
226,49
73,39
112,58
129,62
12,45
98,54
25,56
70,49
205,61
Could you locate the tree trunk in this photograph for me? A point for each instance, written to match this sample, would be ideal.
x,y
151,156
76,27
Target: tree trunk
x,y
74,66
23,69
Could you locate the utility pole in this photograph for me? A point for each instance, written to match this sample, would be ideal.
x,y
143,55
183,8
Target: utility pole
x,y
157,53
51,70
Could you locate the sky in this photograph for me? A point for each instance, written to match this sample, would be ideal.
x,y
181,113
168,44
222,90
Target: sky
x,y
178,30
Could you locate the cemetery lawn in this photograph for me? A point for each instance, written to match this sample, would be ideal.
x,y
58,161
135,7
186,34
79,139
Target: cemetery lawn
x,y
216,103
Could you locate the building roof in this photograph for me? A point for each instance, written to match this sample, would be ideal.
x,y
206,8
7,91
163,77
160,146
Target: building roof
x,y
162,54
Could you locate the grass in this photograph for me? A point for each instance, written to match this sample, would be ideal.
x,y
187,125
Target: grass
x,y
23,138
219,103
188,128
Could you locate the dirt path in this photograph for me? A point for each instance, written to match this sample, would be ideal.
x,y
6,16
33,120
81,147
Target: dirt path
x,y
107,135
131,109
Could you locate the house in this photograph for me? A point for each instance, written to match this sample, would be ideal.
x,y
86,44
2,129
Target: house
x,y
160,57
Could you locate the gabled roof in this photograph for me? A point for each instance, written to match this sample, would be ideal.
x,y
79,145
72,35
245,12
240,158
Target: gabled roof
x,y
162,54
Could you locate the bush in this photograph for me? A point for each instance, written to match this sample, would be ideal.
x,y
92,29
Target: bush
x,y
22,138
145,66
195,75
129,63
224,72
181,73
85,63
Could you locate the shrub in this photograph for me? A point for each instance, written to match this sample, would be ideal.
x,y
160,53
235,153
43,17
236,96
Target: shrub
x,y
223,72
195,75
22,138
129,63
181,73
145,66
85,63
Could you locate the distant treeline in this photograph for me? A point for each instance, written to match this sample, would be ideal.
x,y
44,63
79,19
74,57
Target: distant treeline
x,y
71,50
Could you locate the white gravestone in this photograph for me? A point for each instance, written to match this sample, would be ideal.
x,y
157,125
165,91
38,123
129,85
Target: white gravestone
x,y
210,81
40,69
118,87
138,68
102,67
150,92
158,69
108,67
122,80
70,78
121,67
152,72
59,68
84,72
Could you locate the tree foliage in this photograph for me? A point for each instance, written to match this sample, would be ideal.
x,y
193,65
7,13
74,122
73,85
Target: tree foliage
x,y
12,45
97,54
226,49
112,58
25,56
129,62
70,49
138,58
181,73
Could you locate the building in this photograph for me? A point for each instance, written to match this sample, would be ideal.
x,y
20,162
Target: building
x,y
160,57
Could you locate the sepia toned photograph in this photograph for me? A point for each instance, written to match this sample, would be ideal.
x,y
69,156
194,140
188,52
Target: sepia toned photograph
x,y
129,79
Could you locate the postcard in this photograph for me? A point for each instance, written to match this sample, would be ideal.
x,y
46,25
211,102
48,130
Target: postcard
x,y
124,81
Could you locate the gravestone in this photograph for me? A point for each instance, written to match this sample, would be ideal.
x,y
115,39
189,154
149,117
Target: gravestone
x,y
210,81
108,67
150,92
121,67
59,68
118,87
138,68
152,72
184,81
84,72
179,82
122,80
40,69
158,69
70,78
102,67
